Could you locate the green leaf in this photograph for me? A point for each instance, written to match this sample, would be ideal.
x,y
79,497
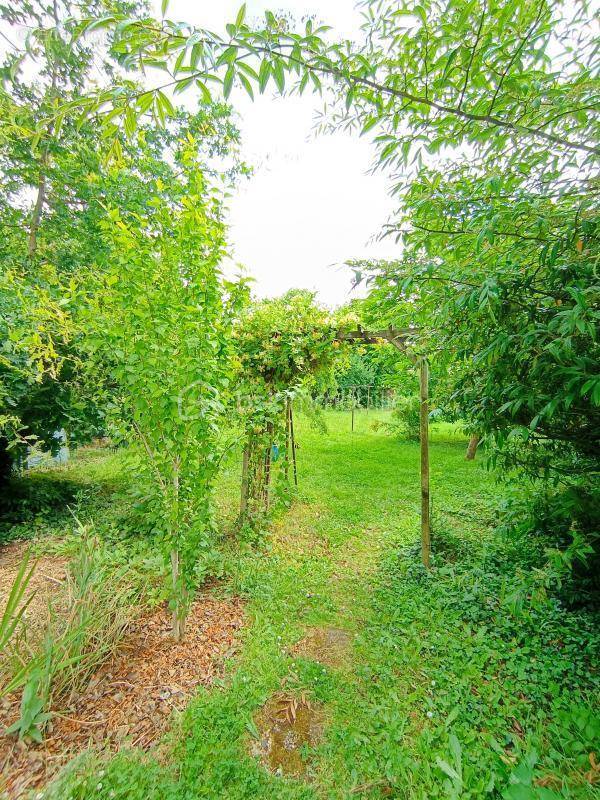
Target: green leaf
x,y
181,86
228,81
264,74
447,769
279,74
246,84
349,98
165,103
206,95
241,16
144,102
370,123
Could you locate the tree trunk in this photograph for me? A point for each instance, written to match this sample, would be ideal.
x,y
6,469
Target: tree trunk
x,y
178,591
6,461
36,214
472,447
176,619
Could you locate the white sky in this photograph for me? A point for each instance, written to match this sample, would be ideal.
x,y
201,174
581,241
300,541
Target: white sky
x,y
310,204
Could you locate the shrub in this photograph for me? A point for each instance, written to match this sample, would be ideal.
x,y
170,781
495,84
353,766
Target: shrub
x,y
561,524
405,421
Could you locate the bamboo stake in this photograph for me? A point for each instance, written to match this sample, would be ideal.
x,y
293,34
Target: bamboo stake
x,y
424,437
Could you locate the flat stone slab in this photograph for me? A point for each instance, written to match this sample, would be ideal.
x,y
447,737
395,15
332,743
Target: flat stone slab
x,y
287,725
328,646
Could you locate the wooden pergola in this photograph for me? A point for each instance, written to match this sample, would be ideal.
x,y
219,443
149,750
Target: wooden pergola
x,y
401,339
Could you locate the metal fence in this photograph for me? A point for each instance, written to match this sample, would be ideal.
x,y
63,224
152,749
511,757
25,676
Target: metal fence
x,y
361,396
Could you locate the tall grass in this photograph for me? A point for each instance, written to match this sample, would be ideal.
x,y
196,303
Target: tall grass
x,y
15,605
96,605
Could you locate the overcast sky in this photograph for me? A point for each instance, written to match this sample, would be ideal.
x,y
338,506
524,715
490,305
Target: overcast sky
x,y
310,204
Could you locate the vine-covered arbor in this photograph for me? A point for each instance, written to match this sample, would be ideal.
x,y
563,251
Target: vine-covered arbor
x,y
284,344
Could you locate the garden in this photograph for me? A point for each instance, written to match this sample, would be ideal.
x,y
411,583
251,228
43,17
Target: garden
x,y
257,547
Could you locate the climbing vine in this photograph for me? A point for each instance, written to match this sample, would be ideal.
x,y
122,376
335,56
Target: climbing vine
x,y
287,348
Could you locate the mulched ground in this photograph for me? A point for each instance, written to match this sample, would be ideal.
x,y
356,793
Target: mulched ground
x,y
46,582
130,699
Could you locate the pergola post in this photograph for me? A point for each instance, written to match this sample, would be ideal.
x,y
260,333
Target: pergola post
x,y
401,339
424,438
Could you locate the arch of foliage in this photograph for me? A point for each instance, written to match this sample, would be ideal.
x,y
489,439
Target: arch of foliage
x,y
286,346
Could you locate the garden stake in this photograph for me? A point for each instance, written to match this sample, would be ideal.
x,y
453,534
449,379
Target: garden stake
x,y
424,437
293,438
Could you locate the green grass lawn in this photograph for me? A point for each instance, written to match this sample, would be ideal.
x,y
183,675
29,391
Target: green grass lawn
x,y
451,689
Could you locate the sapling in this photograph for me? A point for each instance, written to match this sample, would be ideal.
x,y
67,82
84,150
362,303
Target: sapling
x,y
161,337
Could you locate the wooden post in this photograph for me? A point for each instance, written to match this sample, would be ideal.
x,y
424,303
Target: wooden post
x,y
353,401
293,442
245,483
424,436
286,465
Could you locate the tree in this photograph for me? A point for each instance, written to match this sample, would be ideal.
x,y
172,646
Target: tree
x,y
36,395
438,68
53,194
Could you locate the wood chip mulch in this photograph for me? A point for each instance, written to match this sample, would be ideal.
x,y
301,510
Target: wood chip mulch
x,y
129,701
46,582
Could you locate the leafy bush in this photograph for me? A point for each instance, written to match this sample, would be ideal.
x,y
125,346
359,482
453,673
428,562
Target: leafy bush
x,y
511,675
561,525
405,421
37,493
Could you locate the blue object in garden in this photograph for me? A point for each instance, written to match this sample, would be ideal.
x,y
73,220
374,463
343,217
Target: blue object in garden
x,y
38,458
274,452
